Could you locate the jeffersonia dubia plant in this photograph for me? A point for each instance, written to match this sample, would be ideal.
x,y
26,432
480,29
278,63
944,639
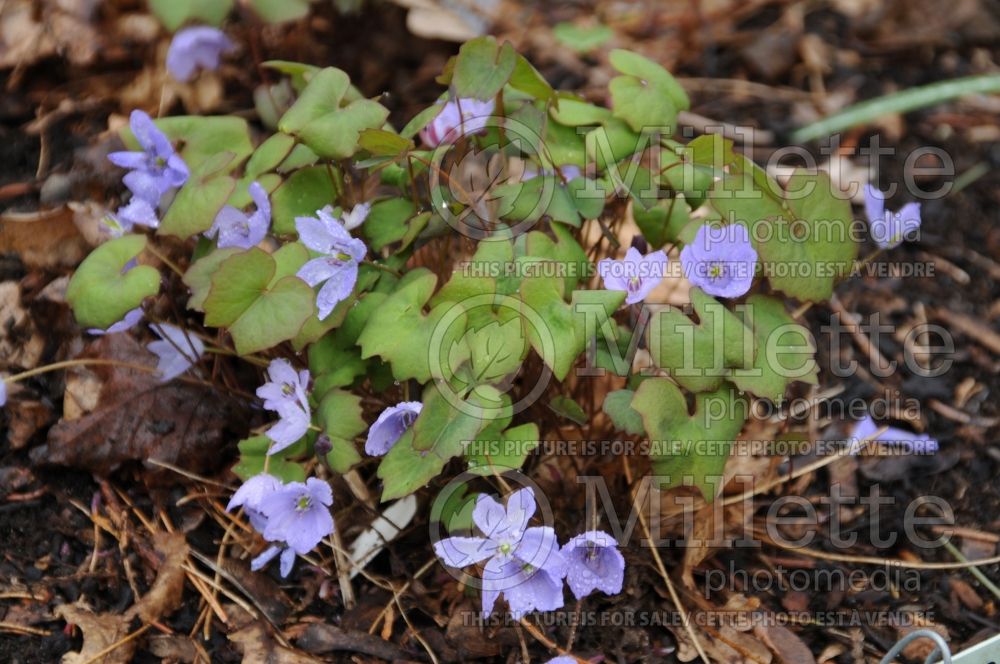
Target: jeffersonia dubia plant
x,y
430,371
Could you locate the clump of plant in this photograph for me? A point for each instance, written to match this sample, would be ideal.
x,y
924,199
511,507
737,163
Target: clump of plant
x,y
467,272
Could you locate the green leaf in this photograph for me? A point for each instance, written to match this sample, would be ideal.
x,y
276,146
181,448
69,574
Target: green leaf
x,y
493,350
711,150
259,315
384,143
339,415
253,457
618,406
301,195
196,205
483,68
699,355
299,72
689,447
333,364
527,79
663,222
322,95
573,260
647,95
100,293
488,455
199,276
401,334
439,434
564,406
421,120
336,135
559,331
804,242
785,350
175,13
321,122
269,155
204,139
580,38
574,112
279,11
387,222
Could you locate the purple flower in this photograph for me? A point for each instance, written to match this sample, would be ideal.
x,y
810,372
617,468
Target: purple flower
x,y
285,393
593,562
298,516
568,172
191,48
720,260
177,350
390,426
917,443
128,321
295,516
156,169
138,212
889,229
636,274
287,559
451,122
522,563
237,229
3,392
562,659
250,495
285,385
339,265
356,216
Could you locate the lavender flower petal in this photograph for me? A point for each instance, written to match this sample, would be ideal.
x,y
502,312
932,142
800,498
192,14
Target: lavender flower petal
x,y
177,350
391,424
593,562
201,46
128,321
636,274
464,551
720,261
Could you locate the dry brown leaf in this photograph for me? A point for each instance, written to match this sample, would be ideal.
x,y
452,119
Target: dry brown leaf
x,y
966,595
24,420
47,240
259,648
20,343
175,648
785,643
99,632
726,646
920,649
139,418
164,596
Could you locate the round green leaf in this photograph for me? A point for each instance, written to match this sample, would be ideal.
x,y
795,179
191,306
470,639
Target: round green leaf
x,y
101,293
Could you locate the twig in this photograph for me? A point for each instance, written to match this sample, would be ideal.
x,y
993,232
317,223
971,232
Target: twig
x,y
118,644
23,629
809,468
878,560
983,579
661,568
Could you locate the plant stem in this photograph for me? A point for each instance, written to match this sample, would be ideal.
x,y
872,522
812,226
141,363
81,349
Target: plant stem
x,y
898,102
67,364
